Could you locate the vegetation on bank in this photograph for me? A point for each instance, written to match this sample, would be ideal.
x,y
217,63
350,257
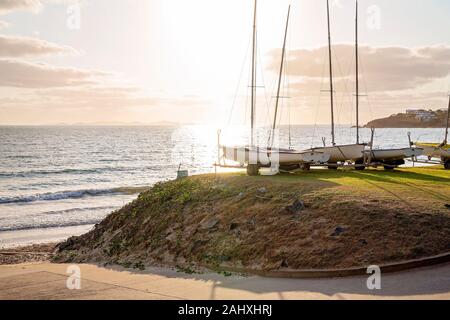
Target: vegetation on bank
x,y
310,220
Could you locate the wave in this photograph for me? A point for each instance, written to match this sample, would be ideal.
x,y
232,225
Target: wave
x,y
76,194
75,210
51,225
24,174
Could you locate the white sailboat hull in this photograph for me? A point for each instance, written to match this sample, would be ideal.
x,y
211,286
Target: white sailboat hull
x,y
263,156
393,154
342,153
435,151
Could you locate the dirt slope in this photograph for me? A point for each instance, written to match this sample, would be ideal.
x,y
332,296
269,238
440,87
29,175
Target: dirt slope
x,y
311,220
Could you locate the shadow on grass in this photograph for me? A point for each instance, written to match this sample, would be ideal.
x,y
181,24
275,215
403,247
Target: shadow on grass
x,y
390,177
379,179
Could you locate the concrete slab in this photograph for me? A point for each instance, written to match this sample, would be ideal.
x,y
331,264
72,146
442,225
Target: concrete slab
x,y
48,281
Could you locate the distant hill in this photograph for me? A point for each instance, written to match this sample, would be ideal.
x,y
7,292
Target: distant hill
x,y
118,123
412,119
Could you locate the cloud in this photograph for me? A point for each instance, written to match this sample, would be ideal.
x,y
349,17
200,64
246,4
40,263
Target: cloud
x,y
22,74
96,96
93,103
18,47
4,25
7,6
382,68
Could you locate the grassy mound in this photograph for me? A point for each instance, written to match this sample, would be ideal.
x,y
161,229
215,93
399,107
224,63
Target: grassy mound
x,y
319,219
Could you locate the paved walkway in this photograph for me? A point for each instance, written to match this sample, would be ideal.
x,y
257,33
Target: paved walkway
x,y
48,281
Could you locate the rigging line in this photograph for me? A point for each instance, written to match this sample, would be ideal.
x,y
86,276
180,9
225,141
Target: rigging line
x,y
349,95
289,103
246,105
249,93
345,91
362,73
266,98
352,97
285,95
239,84
289,90
369,98
324,64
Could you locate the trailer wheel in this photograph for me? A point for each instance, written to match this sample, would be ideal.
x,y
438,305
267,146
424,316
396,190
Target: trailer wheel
x,y
333,166
305,167
447,164
360,165
253,170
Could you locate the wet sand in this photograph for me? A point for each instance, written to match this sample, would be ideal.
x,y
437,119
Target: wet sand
x,y
21,238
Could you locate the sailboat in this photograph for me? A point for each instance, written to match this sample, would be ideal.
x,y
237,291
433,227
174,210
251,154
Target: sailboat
x,y
436,150
389,157
338,153
256,157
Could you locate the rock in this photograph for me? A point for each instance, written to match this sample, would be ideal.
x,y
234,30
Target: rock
x,y
262,190
251,224
234,226
363,242
338,231
208,224
68,244
172,237
224,258
241,195
296,207
197,244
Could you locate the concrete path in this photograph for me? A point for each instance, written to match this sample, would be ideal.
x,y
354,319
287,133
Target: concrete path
x,y
48,281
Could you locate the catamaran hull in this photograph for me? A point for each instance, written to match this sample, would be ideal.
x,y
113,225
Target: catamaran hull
x,y
342,153
265,157
393,154
435,151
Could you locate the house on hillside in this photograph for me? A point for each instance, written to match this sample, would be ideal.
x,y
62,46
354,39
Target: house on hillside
x,y
422,115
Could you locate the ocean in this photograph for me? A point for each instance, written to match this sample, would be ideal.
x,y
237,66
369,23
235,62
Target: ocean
x,y
56,182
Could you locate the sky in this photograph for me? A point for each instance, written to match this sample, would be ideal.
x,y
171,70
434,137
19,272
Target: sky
x,y
144,61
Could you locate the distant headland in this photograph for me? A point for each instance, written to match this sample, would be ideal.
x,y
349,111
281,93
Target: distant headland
x,y
412,119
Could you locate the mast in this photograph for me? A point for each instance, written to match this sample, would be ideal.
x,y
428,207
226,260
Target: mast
x,y
448,122
333,139
357,75
253,86
283,54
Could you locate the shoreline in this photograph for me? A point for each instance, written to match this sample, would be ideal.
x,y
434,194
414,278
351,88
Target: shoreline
x,y
27,254
39,236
